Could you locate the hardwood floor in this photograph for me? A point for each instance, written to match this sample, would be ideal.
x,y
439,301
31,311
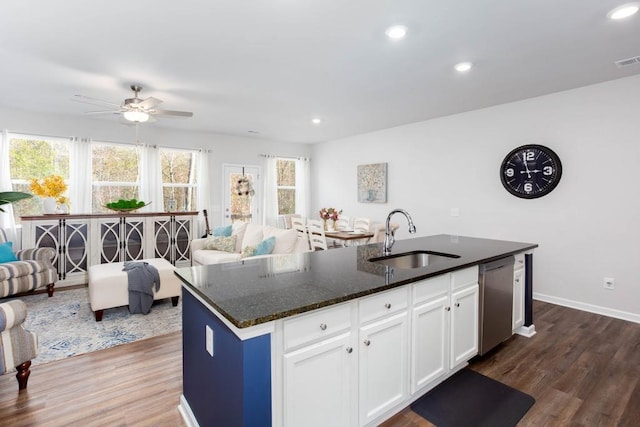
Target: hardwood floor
x,y
582,368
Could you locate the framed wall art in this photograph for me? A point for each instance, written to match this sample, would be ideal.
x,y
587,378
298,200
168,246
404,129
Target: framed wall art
x,y
372,183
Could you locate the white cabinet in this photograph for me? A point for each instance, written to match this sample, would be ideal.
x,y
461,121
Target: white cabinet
x,y
384,353
518,293
318,384
319,367
444,325
84,240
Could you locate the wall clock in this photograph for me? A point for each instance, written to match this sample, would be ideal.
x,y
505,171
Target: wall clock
x,y
531,171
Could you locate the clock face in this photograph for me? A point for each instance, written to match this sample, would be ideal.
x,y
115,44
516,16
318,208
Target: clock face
x,y
531,171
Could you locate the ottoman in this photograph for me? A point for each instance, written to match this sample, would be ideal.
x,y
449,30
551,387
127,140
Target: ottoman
x,y
108,285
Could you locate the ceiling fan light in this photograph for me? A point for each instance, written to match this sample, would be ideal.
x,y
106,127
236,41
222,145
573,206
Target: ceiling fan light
x,y
624,11
136,116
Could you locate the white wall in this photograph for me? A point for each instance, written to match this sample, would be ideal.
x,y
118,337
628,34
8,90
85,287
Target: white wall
x,y
587,228
225,148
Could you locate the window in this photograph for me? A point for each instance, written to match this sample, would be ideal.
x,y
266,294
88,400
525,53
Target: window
x,y
114,174
35,157
179,179
286,184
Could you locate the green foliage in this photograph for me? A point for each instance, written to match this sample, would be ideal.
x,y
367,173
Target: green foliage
x,y
126,204
7,197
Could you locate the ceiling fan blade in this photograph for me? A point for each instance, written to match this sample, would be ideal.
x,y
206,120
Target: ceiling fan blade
x,y
103,112
149,103
169,113
94,101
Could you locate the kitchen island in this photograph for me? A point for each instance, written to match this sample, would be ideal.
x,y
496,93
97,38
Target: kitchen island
x,y
309,339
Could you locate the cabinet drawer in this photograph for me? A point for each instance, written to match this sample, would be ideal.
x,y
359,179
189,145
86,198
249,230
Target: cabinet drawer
x,y
519,261
462,278
382,304
430,288
316,325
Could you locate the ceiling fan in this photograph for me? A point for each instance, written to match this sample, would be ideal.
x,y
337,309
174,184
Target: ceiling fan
x,y
134,109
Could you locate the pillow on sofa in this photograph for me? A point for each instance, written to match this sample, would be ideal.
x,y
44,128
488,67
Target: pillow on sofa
x,y
265,247
237,229
252,235
6,252
286,240
221,243
222,231
248,251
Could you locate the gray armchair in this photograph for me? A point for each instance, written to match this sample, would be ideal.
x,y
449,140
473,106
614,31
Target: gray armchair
x,y
18,346
33,270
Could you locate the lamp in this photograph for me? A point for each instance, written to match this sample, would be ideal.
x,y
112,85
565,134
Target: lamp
x,y
136,116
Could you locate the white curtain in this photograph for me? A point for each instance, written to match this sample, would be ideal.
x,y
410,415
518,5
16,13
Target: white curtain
x,y
270,211
303,186
150,178
7,221
204,187
80,172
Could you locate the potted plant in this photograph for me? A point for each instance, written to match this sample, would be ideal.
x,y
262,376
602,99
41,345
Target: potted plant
x,y
7,197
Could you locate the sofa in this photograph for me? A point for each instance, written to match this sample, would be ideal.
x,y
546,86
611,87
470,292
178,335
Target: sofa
x,y
25,270
17,345
245,240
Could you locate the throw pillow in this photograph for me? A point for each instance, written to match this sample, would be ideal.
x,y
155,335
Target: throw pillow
x,y
265,247
248,251
6,252
222,231
252,235
221,243
237,229
286,240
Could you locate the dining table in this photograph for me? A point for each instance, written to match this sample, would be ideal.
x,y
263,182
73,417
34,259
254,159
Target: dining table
x,y
347,237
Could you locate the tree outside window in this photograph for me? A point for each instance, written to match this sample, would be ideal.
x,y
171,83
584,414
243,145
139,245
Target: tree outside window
x,y
179,179
35,157
286,184
114,174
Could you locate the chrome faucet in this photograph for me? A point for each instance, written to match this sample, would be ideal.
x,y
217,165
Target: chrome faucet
x,y
389,238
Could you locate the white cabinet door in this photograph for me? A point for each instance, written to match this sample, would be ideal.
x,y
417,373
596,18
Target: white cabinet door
x,y
318,384
383,365
518,299
464,325
430,342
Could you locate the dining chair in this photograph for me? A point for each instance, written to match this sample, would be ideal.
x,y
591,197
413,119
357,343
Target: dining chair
x,y
343,223
298,224
317,239
361,224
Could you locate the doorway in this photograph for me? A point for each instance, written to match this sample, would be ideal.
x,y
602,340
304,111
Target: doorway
x,y
242,194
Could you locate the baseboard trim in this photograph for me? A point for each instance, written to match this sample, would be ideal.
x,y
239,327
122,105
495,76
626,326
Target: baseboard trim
x,y
526,331
605,311
185,411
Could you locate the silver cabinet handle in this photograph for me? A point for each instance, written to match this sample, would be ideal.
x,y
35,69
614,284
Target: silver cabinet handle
x,y
367,343
323,326
349,350
387,306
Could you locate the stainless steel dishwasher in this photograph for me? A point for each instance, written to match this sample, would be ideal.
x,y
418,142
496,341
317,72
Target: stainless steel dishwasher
x,y
496,303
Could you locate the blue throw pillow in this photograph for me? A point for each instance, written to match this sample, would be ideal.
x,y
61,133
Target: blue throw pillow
x,y
265,247
6,252
222,231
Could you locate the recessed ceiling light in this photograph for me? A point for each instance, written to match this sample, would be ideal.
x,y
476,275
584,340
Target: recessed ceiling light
x,y
463,66
396,32
316,121
624,11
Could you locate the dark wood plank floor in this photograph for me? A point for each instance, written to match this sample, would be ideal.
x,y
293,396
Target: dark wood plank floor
x,y
582,368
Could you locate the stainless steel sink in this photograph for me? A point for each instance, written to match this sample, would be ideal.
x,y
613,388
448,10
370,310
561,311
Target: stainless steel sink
x,y
415,259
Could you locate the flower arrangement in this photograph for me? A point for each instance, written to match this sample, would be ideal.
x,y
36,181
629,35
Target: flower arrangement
x,y
330,213
244,187
51,186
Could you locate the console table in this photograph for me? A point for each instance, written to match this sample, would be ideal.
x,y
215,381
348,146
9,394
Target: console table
x,y
82,240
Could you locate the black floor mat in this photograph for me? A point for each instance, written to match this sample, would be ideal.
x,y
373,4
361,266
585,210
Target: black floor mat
x,y
469,399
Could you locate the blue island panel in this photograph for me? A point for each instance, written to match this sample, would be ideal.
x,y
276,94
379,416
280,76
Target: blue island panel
x,y
232,388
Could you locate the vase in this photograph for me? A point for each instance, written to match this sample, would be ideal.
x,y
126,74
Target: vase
x,y
49,205
325,224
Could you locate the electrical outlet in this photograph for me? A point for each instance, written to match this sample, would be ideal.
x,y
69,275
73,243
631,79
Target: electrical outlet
x,y
609,283
209,340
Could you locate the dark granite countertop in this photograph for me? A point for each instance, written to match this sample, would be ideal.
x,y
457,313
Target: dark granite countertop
x,y
256,291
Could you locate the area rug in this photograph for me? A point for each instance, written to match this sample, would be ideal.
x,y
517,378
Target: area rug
x,y
471,399
66,326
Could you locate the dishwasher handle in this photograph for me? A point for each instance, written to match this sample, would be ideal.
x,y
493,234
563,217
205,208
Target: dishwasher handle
x,y
497,264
